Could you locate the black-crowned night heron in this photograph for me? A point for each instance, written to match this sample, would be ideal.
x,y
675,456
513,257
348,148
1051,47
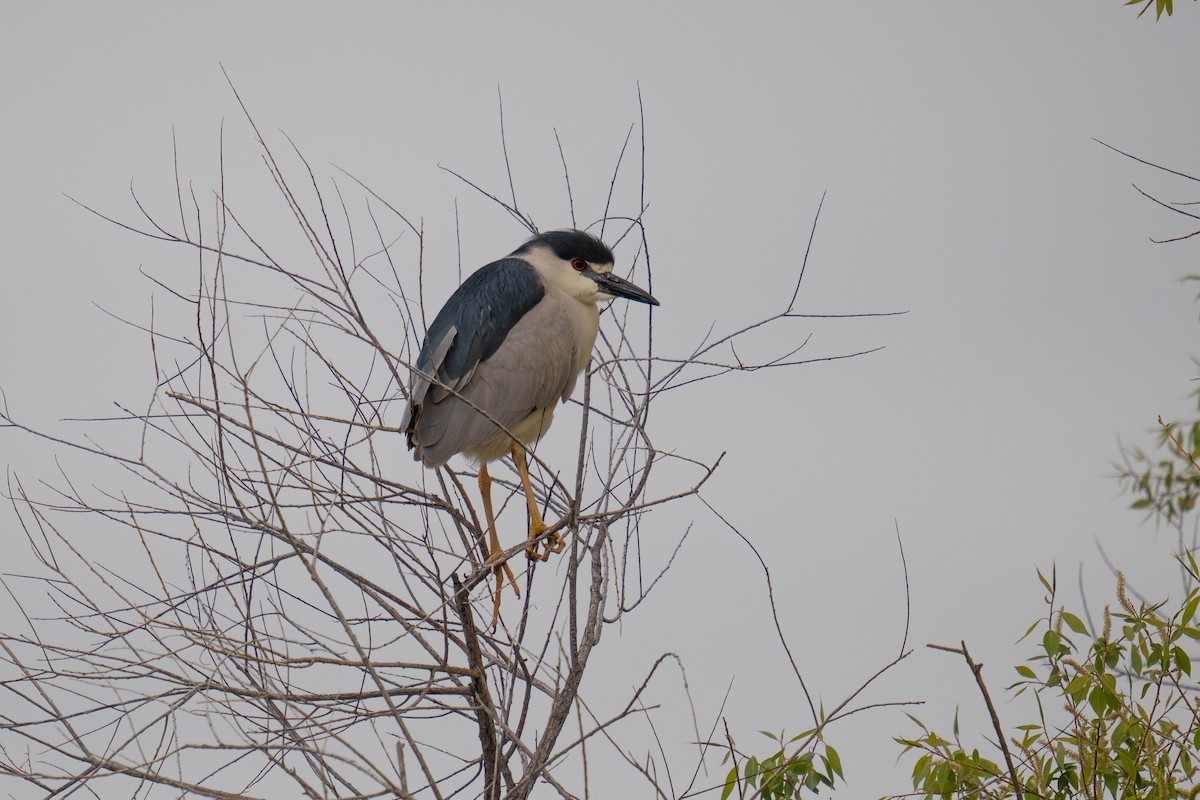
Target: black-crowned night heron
x,y
508,346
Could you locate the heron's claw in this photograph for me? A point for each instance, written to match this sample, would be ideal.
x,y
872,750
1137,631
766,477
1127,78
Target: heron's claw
x,y
554,543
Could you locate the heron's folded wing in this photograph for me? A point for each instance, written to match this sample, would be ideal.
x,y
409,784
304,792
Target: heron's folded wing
x,y
468,330
531,371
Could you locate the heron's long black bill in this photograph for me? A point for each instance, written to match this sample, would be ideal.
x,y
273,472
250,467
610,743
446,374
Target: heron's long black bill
x,y
619,287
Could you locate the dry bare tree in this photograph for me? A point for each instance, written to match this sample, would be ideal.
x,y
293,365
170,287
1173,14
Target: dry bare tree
x,y
257,604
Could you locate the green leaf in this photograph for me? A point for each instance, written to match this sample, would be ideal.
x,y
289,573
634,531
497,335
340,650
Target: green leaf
x,y
1112,656
835,761
1046,583
1189,610
752,771
803,735
1077,689
1073,622
1026,672
730,782
1101,700
1183,661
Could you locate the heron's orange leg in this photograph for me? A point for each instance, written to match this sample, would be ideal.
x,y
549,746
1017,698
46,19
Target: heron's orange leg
x,y
501,568
554,543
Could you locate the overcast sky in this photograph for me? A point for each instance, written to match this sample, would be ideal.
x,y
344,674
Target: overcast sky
x,y
955,145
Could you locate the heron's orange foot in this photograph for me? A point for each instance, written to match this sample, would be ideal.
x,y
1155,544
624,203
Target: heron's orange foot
x,y
554,543
536,528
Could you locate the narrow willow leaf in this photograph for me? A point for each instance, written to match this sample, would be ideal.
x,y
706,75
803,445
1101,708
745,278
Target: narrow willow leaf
x,y
1073,622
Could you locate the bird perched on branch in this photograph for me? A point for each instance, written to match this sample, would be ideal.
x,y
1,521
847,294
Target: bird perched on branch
x,y
506,348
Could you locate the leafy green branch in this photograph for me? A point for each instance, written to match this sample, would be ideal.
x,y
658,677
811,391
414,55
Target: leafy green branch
x,y
1159,7
781,776
1117,714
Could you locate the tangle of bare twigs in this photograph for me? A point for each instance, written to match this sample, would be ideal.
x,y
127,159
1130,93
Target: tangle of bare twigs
x,y
292,618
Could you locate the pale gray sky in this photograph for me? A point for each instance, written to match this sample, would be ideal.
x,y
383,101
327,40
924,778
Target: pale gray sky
x,y
955,144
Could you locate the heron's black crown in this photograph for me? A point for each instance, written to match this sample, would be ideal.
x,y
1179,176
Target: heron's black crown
x,y
570,244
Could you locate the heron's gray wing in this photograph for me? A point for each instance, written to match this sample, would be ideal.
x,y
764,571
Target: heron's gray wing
x,y
468,330
533,369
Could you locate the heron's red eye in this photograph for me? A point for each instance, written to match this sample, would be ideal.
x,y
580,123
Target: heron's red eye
x,y
579,264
